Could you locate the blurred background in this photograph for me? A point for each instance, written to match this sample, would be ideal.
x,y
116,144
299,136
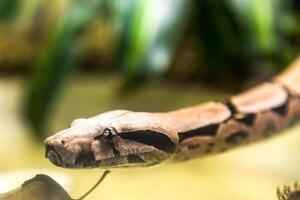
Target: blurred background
x,y
61,60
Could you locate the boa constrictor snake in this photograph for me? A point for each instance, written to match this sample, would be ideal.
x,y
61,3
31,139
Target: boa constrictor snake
x,y
124,138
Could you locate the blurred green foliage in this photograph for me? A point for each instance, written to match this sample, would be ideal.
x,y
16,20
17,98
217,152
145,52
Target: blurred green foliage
x,y
148,32
8,9
237,35
219,41
56,62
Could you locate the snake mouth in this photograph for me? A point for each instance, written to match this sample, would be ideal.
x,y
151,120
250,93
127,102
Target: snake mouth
x,y
83,160
53,155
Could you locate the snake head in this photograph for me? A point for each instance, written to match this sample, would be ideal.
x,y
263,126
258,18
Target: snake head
x,y
112,139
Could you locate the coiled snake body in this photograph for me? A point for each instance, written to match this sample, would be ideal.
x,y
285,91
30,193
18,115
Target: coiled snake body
x,y
123,138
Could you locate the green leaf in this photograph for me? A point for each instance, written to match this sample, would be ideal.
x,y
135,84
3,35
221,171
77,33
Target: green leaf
x,y
8,8
220,34
56,62
260,19
148,32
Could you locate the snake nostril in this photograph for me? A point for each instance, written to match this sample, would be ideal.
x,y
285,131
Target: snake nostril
x,y
63,142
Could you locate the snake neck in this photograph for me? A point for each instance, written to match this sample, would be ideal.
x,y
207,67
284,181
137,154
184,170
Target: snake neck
x,y
253,115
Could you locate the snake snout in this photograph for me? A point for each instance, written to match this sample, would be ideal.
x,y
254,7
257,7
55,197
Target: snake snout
x,y
53,155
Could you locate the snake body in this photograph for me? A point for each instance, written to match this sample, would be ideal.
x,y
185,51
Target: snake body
x,y
124,138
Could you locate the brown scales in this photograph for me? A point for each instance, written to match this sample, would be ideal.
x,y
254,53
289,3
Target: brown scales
x,y
143,139
255,114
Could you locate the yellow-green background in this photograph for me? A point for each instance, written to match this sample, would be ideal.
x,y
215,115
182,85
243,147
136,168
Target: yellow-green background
x,y
61,60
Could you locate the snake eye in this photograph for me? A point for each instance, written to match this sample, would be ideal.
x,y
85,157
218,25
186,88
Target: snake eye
x,y
110,133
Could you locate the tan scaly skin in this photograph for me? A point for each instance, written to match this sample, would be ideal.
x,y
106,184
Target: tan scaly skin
x,y
124,138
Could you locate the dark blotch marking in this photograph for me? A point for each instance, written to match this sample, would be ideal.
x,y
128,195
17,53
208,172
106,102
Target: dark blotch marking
x,y
151,138
206,150
135,159
116,152
236,137
248,119
270,128
211,145
209,148
194,146
210,130
281,110
295,119
85,157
